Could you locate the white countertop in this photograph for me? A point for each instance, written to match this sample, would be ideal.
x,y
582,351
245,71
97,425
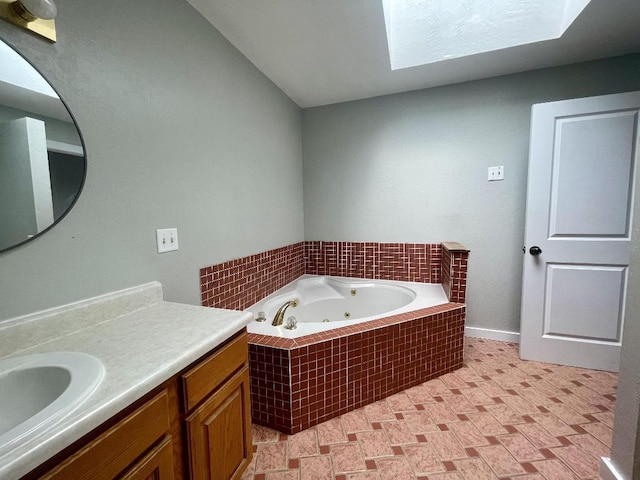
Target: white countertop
x,y
140,349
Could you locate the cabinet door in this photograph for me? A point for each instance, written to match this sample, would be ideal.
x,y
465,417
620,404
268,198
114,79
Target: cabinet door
x,y
155,465
115,450
219,432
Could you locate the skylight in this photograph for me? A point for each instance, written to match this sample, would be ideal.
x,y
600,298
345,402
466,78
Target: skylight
x,y
427,31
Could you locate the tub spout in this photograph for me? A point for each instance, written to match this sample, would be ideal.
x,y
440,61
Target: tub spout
x,y
279,318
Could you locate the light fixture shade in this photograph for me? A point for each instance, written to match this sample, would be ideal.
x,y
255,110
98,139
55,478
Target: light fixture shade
x,y
44,9
37,16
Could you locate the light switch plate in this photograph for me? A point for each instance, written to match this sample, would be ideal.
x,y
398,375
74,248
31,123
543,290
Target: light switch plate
x,y
167,239
496,173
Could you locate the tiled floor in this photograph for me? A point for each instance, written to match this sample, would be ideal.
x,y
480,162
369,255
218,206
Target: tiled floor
x,y
497,417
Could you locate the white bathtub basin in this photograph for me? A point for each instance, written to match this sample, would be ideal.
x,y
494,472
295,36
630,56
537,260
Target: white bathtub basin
x,y
328,302
37,391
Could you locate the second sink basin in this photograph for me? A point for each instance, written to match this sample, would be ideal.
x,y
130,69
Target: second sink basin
x,y
36,391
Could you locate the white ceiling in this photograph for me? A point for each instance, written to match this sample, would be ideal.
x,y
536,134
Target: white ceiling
x,y
328,51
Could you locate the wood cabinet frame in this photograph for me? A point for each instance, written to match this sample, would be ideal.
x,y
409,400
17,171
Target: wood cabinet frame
x,y
155,438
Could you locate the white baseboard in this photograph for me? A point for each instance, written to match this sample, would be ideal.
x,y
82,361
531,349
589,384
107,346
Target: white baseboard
x,y
608,471
489,334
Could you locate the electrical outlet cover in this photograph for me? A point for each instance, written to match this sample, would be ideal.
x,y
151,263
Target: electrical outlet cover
x,y
496,173
167,239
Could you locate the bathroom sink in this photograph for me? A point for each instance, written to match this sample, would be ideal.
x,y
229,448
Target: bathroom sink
x,y
37,391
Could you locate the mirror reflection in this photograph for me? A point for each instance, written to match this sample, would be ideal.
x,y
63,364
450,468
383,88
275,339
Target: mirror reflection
x,y
42,161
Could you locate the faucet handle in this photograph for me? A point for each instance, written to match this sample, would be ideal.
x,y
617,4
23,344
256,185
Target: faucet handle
x,y
292,323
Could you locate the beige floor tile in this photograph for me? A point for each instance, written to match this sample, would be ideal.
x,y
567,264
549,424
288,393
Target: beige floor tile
x,y
355,421
500,460
347,458
288,475
398,432
497,417
590,445
316,468
400,402
487,424
440,412
468,435
303,444
521,449
423,459
373,475
331,432
374,444
271,456
474,469
445,445
437,387
599,431
394,468
583,465
419,422
445,476
379,412
554,470
538,436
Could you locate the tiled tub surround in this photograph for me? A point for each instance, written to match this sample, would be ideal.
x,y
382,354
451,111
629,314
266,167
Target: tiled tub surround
x,y
142,342
238,284
406,262
298,383
454,271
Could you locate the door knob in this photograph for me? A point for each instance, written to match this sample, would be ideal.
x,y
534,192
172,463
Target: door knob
x,y
535,250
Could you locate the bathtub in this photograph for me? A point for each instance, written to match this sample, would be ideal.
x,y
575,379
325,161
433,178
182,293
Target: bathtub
x,y
326,303
397,335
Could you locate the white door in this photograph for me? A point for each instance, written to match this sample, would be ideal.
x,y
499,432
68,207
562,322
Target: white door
x,y
577,242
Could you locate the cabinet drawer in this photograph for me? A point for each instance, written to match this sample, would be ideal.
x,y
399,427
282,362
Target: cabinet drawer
x,y
118,447
201,380
155,465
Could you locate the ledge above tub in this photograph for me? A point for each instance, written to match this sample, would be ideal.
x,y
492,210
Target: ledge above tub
x,y
454,247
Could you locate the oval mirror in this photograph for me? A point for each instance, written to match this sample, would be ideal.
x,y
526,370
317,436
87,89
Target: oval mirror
x,y
42,160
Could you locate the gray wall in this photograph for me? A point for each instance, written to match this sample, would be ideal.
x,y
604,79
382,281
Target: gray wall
x,y
180,131
413,168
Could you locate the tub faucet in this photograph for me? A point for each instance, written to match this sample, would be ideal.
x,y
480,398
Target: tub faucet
x,y
279,318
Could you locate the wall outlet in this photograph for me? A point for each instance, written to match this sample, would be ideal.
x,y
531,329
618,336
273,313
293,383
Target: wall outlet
x,y
167,239
496,173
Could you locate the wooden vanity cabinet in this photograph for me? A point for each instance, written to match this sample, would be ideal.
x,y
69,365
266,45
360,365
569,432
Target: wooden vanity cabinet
x,y
195,426
156,465
116,451
218,420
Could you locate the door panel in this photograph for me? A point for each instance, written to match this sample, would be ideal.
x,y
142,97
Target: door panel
x,y
582,158
598,297
592,159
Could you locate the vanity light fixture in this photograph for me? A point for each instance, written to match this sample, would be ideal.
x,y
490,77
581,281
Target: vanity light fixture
x,y
36,16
